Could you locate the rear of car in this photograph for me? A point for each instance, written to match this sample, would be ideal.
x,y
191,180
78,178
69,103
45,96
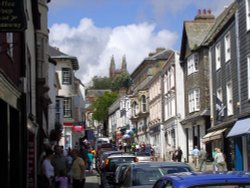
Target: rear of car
x,y
205,180
111,164
146,174
144,156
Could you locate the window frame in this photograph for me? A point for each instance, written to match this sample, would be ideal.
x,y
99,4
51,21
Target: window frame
x,y
218,56
194,100
66,76
248,75
227,40
247,2
229,90
67,107
10,44
192,63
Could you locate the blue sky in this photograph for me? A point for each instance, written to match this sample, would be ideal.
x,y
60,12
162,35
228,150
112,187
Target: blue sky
x,y
94,30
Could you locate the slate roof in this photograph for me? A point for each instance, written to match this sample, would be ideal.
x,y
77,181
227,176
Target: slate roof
x,y
55,53
220,22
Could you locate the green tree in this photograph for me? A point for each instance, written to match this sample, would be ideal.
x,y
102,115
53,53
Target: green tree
x,y
101,105
121,81
101,83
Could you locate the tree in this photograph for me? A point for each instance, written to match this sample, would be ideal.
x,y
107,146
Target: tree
x,y
101,105
101,83
121,81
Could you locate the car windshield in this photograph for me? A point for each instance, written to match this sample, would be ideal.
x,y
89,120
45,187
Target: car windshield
x,y
228,185
149,175
143,154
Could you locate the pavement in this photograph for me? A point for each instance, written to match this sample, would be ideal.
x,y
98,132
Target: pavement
x,y
92,180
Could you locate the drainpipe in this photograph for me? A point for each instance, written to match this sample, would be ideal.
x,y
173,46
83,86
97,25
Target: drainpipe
x,y
238,58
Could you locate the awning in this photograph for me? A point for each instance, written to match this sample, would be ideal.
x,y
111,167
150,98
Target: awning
x,y
240,127
215,135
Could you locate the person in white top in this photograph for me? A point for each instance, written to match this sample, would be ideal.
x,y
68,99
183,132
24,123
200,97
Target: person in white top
x,y
48,169
220,160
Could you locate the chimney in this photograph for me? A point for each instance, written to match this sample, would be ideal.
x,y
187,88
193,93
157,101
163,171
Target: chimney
x,y
205,15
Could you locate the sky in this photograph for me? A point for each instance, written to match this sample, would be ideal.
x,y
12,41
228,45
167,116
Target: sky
x,y
95,30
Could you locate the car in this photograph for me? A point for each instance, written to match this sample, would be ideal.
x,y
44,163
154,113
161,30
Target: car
x,y
205,180
110,166
100,159
144,156
145,174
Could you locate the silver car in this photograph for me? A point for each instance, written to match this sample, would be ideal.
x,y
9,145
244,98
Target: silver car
x,y
146,174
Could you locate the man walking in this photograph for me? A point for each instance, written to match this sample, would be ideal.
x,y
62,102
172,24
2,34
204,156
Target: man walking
x,y
203,159
195,154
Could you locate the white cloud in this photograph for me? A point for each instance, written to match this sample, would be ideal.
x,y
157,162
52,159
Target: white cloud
x,y
94,46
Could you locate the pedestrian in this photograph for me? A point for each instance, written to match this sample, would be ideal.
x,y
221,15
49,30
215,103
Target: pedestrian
x,y
47,170
203,159
90,160
195,155
220,160
78,170
62,180
178,154
215,168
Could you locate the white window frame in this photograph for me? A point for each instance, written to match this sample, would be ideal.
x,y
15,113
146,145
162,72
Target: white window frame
x,y
248,75
192,63
219,93
227,40
66,76
229,88
9,40
218,56
67,107
248,15
194,100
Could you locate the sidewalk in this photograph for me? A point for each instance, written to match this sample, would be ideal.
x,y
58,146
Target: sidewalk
x,y
209,165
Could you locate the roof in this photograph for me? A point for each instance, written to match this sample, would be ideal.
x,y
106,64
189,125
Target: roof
x,y
193,178
160,164
55,53
194,32
220,22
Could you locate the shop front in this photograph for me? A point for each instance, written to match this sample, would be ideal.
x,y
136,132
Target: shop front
x,y
240,136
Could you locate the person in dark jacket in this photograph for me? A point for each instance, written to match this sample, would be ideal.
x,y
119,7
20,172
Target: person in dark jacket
x,y
178,154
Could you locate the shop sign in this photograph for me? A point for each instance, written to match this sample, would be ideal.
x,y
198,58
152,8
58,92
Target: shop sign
x,y
12,17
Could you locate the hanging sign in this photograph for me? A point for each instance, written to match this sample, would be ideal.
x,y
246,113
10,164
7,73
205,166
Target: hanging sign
x,y
12,17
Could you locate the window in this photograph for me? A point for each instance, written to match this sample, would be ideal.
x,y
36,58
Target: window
x,y
66,76
135,109
248,75
9,40
229,99
227,47
192,63
143,103
169,105
194,100
218,56
248,14
67,107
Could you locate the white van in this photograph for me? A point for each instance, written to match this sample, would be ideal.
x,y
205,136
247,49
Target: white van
x,y
101,140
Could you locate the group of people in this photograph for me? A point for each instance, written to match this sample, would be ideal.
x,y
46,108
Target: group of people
x,y
200,158
61,167
135,147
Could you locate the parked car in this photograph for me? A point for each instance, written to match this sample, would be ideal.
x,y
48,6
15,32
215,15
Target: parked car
x,y
144,156
100,159
110,166
145,174
205,180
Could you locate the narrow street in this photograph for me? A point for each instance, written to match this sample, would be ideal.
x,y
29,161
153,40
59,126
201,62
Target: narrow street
x,y
92,180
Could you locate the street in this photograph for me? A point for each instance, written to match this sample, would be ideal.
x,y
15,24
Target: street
x,y
92,180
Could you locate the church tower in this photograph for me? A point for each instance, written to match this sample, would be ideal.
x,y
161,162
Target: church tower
x,y
124,64
112,67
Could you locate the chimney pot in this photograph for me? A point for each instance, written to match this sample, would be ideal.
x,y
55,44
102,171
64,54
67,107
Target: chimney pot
x,y
199,12
209,11
204,11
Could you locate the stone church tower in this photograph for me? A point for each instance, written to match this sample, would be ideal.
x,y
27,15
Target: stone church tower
x,y
113,72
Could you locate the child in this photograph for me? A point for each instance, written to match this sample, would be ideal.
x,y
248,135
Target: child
x,y
62,179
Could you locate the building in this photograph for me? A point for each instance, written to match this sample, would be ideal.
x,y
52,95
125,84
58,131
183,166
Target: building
x,y
173,107
113,71
72,94
194,60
